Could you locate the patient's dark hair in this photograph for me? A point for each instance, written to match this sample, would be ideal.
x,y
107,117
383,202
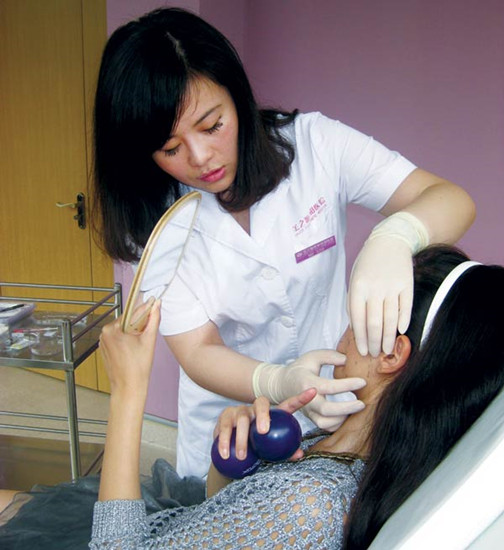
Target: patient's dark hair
x,y
146,68
442,390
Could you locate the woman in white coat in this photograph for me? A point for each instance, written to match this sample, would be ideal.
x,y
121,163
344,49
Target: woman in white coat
x,y
259,302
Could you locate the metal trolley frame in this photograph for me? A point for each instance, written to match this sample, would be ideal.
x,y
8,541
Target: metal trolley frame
x,y
77,343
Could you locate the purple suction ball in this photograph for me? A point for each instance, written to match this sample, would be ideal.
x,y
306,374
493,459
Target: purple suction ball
x,y
282,440
232,467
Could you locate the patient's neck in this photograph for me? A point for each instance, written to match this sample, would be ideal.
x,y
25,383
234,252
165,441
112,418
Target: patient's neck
x,y
353,435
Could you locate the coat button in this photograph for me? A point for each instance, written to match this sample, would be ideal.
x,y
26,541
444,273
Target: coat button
x,y
286,321
268,273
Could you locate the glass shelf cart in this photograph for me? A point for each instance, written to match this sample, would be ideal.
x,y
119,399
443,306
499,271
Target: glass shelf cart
x,y
70,337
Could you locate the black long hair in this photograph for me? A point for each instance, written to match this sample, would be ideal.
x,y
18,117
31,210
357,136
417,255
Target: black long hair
x,y
145,71
443,389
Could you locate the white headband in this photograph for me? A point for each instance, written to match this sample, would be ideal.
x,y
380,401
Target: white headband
x,y
441,293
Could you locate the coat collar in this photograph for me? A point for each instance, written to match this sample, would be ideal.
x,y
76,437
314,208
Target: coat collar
x,y
217,224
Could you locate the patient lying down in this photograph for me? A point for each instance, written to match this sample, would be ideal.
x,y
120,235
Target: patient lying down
x,y
340,488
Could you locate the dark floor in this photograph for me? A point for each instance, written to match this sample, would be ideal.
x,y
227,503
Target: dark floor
x,y
31,457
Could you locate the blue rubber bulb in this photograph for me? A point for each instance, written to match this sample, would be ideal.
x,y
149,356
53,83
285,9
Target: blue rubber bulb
x,y
232,467
282,439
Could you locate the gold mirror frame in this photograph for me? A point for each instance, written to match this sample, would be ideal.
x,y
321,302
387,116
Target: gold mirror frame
x,y
137,325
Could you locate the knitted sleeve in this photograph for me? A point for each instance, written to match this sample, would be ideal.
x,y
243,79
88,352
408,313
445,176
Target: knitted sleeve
x,y
281,506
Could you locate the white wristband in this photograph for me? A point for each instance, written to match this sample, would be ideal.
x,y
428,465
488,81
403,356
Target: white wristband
x,y
404,226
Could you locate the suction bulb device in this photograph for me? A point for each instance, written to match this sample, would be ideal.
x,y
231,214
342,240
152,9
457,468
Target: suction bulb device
x,y
233,467
280,443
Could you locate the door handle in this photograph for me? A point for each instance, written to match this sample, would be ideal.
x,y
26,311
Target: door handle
x,y
80,205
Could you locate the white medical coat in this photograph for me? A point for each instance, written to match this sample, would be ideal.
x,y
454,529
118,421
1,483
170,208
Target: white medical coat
x,y
280,291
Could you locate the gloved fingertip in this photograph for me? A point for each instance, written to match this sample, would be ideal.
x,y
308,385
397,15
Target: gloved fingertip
x,y
374,351
338,359
404,321
360,383
403,325
362,348
388,347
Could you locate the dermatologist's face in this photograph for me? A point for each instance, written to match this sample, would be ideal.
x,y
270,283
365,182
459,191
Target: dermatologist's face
x,y
202,151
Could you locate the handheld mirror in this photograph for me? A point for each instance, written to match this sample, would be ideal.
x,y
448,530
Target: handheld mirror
x,y
161,257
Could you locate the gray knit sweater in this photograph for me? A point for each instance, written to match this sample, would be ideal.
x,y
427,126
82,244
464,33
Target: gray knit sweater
x,y
286,505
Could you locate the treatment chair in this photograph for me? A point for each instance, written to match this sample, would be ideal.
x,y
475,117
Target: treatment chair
x,y
461,504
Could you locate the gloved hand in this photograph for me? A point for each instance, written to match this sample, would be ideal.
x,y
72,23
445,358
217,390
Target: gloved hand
x,y
380,295
279,382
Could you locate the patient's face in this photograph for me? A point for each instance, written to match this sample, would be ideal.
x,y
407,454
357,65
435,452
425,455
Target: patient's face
x,y
356,364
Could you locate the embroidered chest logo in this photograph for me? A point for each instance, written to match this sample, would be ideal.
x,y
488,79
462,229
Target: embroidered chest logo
x,y
303,226
315,210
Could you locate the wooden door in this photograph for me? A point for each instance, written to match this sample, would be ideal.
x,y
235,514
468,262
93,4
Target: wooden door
x,y
49,58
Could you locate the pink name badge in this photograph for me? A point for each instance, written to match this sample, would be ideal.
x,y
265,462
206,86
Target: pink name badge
x,y
315,249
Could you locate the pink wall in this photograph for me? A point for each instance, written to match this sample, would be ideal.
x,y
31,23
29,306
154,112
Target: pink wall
x,y
422,76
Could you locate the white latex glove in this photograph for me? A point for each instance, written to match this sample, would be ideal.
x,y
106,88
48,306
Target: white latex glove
x,y
380,295
279,382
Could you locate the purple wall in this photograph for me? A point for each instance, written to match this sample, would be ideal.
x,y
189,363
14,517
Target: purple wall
x,y
229,16
422,76
120,12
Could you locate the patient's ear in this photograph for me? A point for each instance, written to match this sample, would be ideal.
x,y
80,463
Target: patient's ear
x,y
393,362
